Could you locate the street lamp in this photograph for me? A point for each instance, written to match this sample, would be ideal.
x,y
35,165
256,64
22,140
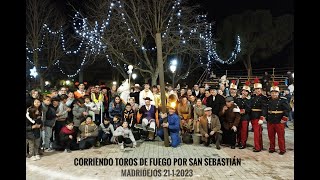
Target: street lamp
x,y
130,67
134,76
173,68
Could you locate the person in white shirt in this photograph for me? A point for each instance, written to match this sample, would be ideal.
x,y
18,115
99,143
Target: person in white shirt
x,y
146,92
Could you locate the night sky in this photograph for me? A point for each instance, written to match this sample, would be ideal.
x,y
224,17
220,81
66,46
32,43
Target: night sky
x,y
217,10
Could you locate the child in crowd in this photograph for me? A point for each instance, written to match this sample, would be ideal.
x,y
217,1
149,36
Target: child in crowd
x,y
105,132
116,122
128,115
91,106
33,127
124,135
67,137
49,123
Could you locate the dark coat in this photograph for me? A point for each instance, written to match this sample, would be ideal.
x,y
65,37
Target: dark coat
x,y
244,104
33,133
280,104
217,104
230,117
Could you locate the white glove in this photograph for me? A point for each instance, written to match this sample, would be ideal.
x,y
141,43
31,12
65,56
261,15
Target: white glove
x,y
260,121
234,128
212,133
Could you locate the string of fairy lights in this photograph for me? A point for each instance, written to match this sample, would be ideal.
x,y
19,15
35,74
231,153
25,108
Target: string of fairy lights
x,y
92,37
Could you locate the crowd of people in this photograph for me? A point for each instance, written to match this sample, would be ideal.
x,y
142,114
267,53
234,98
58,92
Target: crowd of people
x,y
69,120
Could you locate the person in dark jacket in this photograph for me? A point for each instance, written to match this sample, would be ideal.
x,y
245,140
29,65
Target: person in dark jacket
x,y
244,103
129,116
278,112
258,114
216,102
68,137
231,118
33,127
48,124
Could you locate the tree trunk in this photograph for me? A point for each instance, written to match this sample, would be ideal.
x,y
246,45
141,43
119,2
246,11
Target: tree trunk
x,y
81,76
41,83
247,64
162,85
154,77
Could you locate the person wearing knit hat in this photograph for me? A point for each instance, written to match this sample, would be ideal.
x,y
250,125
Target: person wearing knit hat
x,y
258,114
244,103
278,112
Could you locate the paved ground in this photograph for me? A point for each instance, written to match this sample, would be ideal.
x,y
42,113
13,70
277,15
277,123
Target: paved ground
x,y
262,165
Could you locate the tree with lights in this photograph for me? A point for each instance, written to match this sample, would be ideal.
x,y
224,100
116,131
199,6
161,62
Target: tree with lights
x,y
130,34
44,47
147,34
261,35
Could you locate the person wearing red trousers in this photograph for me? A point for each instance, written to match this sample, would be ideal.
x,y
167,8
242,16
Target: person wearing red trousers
x,y
278,111
258,114
244,103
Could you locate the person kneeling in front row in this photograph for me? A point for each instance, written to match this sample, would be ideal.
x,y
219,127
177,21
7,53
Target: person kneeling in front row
x,y
88,133
173,126
124,135
210,128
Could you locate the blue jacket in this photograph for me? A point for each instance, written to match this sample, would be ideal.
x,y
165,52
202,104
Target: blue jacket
x,y
174,123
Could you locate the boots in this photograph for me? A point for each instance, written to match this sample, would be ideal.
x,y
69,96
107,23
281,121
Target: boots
x,y
218,140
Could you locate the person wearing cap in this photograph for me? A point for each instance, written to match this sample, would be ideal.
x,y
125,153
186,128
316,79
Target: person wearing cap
x,y
210,128
278,112
173,126
136,93
148,116
258,114
145,93
244,103
230,114
233,90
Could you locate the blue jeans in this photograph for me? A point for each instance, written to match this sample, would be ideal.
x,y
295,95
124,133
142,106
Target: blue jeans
x,y
175,138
